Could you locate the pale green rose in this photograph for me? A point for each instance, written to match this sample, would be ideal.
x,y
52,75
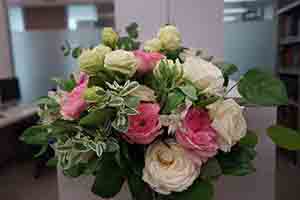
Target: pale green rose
x,y
110,37
173,66
170,38
92,61
144,93
121,61
93,94
153,45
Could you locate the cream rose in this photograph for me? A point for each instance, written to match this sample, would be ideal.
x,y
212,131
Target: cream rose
x,y
169,37
153,45
168,168
121,61
204,74
91,61
229,122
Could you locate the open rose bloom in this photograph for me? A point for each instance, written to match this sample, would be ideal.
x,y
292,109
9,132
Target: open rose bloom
x,y
150,119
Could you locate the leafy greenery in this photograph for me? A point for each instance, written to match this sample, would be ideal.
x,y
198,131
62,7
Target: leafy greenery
x,y
97,118
211,170
238,162
109,177
36,135
261,88
174,99
285,137
227,70
250,140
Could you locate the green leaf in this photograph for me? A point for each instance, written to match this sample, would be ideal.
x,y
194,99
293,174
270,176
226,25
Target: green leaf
x,y
116,101
262,88
284,137
228,69
238,162
66,85
211,170
75,171
203,190
190,91
121,123
43,150
250,140
109,177
174,99
52,162
36,135
132,101
97,118
132,30
138,188
205,102
129,88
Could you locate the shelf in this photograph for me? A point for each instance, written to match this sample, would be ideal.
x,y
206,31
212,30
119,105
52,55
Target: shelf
x,y
290,40
289,70
289,7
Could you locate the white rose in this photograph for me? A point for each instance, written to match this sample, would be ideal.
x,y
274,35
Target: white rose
x,y
153,45
121,61
204,74
170,38
229,122
168,168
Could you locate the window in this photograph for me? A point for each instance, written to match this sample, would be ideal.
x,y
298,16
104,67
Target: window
x,y
16,20
79,13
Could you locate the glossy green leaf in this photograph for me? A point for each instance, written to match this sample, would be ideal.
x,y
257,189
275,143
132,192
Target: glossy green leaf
x,y
211,170
190,91
285,137
203,190
174,99
138,188
109,177
36,135
250,140
96,118
262,88
238,162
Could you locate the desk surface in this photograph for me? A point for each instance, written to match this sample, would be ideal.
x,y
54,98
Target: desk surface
x,y
16,113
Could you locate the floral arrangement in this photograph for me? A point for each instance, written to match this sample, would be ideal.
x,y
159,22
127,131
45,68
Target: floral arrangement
x,y
157,118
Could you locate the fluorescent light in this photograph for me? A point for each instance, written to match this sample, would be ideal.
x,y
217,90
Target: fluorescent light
x,y
238,1
230,18
235,10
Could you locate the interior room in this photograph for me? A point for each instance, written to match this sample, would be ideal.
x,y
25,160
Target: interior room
x,y
58,68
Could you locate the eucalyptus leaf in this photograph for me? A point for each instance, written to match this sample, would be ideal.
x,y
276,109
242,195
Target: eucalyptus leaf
x,y
262,88
284,137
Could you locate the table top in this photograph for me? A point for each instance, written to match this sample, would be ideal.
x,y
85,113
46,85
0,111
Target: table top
x,y
16,113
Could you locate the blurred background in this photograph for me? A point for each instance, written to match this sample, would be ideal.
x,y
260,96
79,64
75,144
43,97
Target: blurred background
x,y
248,33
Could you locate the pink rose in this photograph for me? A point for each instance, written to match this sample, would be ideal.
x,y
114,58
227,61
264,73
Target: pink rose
x,y
147,61
73,103
197,136
144,127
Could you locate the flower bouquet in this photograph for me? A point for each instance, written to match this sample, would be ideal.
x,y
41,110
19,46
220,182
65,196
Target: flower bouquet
x,y
157,118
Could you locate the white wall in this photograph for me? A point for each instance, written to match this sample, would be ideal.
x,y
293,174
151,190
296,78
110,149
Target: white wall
x,y
6,69
201,24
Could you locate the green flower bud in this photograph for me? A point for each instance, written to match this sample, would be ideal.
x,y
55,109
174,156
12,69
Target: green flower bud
x,y
109,37
93,94
92,61
175,67
153,45
121,61
170,38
